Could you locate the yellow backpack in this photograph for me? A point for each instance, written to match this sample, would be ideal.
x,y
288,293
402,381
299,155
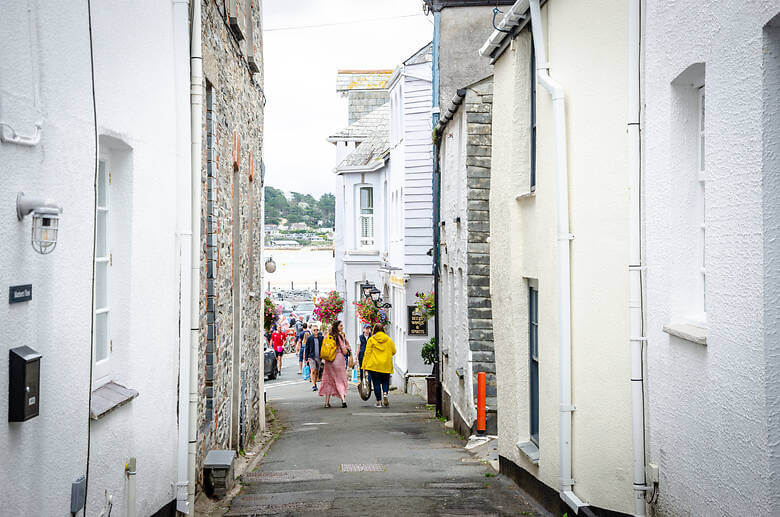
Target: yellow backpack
x,y
328,349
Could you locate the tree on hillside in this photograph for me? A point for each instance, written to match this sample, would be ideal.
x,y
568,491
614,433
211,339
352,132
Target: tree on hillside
x,y
300,208
327,206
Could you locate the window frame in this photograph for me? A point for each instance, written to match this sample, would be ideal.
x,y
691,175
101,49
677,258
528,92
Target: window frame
x,y
533,362
701,174
366,241
102,367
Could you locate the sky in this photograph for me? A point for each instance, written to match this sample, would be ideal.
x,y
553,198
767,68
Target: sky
x,y
301,62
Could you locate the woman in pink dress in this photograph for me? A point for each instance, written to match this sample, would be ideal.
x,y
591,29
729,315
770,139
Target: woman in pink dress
x,y
334,373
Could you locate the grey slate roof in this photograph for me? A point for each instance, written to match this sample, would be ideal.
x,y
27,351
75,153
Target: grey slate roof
x,y
109,397
372,152
362,128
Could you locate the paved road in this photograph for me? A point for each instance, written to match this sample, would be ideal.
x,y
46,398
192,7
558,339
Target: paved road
x,y
367,461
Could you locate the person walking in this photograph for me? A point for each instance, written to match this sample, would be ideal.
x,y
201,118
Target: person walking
x,y
311,355
277,340
334,373
300,345
378,361
363,342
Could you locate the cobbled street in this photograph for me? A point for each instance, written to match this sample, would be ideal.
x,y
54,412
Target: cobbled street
x,y
362,460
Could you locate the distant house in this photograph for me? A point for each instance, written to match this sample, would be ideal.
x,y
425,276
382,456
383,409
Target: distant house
x,y
285,244
271,228
298,226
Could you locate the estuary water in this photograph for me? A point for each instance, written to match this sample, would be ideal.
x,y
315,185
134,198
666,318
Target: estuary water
x,y
302,268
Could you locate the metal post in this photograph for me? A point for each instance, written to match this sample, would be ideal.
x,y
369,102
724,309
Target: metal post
x,y
436,199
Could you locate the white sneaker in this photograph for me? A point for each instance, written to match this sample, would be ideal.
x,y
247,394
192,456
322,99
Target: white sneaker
x,y
385,401
378,404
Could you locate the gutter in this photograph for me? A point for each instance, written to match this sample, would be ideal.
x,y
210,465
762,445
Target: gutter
x,y
196,105
636,268
566,409
181,34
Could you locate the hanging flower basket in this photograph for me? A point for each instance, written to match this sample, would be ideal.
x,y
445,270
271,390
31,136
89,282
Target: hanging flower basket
x,y
369,314
327,309
271,313
425,305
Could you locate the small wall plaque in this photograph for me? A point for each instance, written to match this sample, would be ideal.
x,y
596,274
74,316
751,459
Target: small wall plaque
x,y
20,293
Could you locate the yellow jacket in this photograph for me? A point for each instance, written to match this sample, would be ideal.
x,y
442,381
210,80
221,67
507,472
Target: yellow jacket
x,y
380,350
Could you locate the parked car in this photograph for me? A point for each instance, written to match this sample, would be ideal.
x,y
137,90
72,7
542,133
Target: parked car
x,y
269,363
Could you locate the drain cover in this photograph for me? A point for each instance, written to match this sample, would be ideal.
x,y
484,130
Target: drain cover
x,y
362,467
285,476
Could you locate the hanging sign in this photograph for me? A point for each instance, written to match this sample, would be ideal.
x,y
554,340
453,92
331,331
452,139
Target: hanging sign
x,y
418,326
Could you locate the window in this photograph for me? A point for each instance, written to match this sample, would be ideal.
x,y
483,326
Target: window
x,y
533,118
533,360
366,218
102,339
701,171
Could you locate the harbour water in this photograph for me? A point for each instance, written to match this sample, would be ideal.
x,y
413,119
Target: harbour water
x,y
301,268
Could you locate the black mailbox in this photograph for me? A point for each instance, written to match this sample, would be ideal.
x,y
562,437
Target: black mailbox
x,y
24,382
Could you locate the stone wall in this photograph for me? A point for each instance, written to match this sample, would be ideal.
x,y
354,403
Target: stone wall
x,y
231,408
478,105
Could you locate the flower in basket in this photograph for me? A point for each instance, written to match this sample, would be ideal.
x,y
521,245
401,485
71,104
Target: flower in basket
x,y
327,309
369,314
271,313
425,305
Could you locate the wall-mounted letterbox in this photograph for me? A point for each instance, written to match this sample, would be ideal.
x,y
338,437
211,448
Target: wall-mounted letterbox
x,y
24,382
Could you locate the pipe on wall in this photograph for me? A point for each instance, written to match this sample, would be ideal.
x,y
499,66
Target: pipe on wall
x,y
636,308
196,116
557,94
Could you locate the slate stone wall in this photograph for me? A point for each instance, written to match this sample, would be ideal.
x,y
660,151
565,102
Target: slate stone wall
x,y
233,138
479,105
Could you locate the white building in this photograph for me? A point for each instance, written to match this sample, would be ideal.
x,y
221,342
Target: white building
x,y
559,253
110,360
711,131
409,207
362,152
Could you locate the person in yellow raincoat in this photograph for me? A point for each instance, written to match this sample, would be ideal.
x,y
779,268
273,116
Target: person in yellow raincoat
x,y
378,361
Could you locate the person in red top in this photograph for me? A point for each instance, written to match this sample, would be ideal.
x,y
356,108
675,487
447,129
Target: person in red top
x,y
277,341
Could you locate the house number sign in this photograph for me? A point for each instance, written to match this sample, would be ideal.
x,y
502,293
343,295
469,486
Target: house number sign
x,y
20,293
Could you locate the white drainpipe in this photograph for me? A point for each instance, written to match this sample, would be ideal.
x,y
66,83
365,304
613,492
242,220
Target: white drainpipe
x,y
196,117
636,309
564,251
188,210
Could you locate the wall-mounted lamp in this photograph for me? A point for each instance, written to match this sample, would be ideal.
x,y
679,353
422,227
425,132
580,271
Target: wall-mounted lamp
x,y
46,218
270,265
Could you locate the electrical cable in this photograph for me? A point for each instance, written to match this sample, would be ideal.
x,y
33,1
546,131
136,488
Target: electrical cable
x,y
94,244
334,24
496,11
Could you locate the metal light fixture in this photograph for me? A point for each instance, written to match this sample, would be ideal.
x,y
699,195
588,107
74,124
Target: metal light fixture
x,y
270,265
45,224
375,294
366,288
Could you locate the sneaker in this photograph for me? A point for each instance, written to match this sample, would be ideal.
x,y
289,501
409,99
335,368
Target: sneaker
x,y
385,401
378,404
314,388
343,404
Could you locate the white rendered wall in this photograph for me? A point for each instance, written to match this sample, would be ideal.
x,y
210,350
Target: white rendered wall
x,y
453,292
133,43
589,60
708,405
42,456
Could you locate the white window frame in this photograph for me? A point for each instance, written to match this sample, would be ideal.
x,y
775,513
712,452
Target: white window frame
x,y
701,201
366,241
102,367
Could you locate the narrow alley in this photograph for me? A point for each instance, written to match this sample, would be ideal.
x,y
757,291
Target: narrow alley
x,y
362,460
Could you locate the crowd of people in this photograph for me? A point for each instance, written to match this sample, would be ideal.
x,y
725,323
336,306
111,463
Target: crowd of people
x,y
329,356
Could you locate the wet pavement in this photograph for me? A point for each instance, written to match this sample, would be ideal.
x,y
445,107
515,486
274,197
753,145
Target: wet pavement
x,y
362,460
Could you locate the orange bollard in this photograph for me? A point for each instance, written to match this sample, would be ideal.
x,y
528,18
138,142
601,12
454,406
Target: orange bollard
x,y
481,401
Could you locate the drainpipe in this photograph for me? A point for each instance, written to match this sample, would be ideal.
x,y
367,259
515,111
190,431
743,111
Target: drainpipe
x,y
181,28
436,201
196,116
636,268
564,251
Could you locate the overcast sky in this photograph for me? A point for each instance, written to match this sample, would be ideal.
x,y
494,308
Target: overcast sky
x,y
300,76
